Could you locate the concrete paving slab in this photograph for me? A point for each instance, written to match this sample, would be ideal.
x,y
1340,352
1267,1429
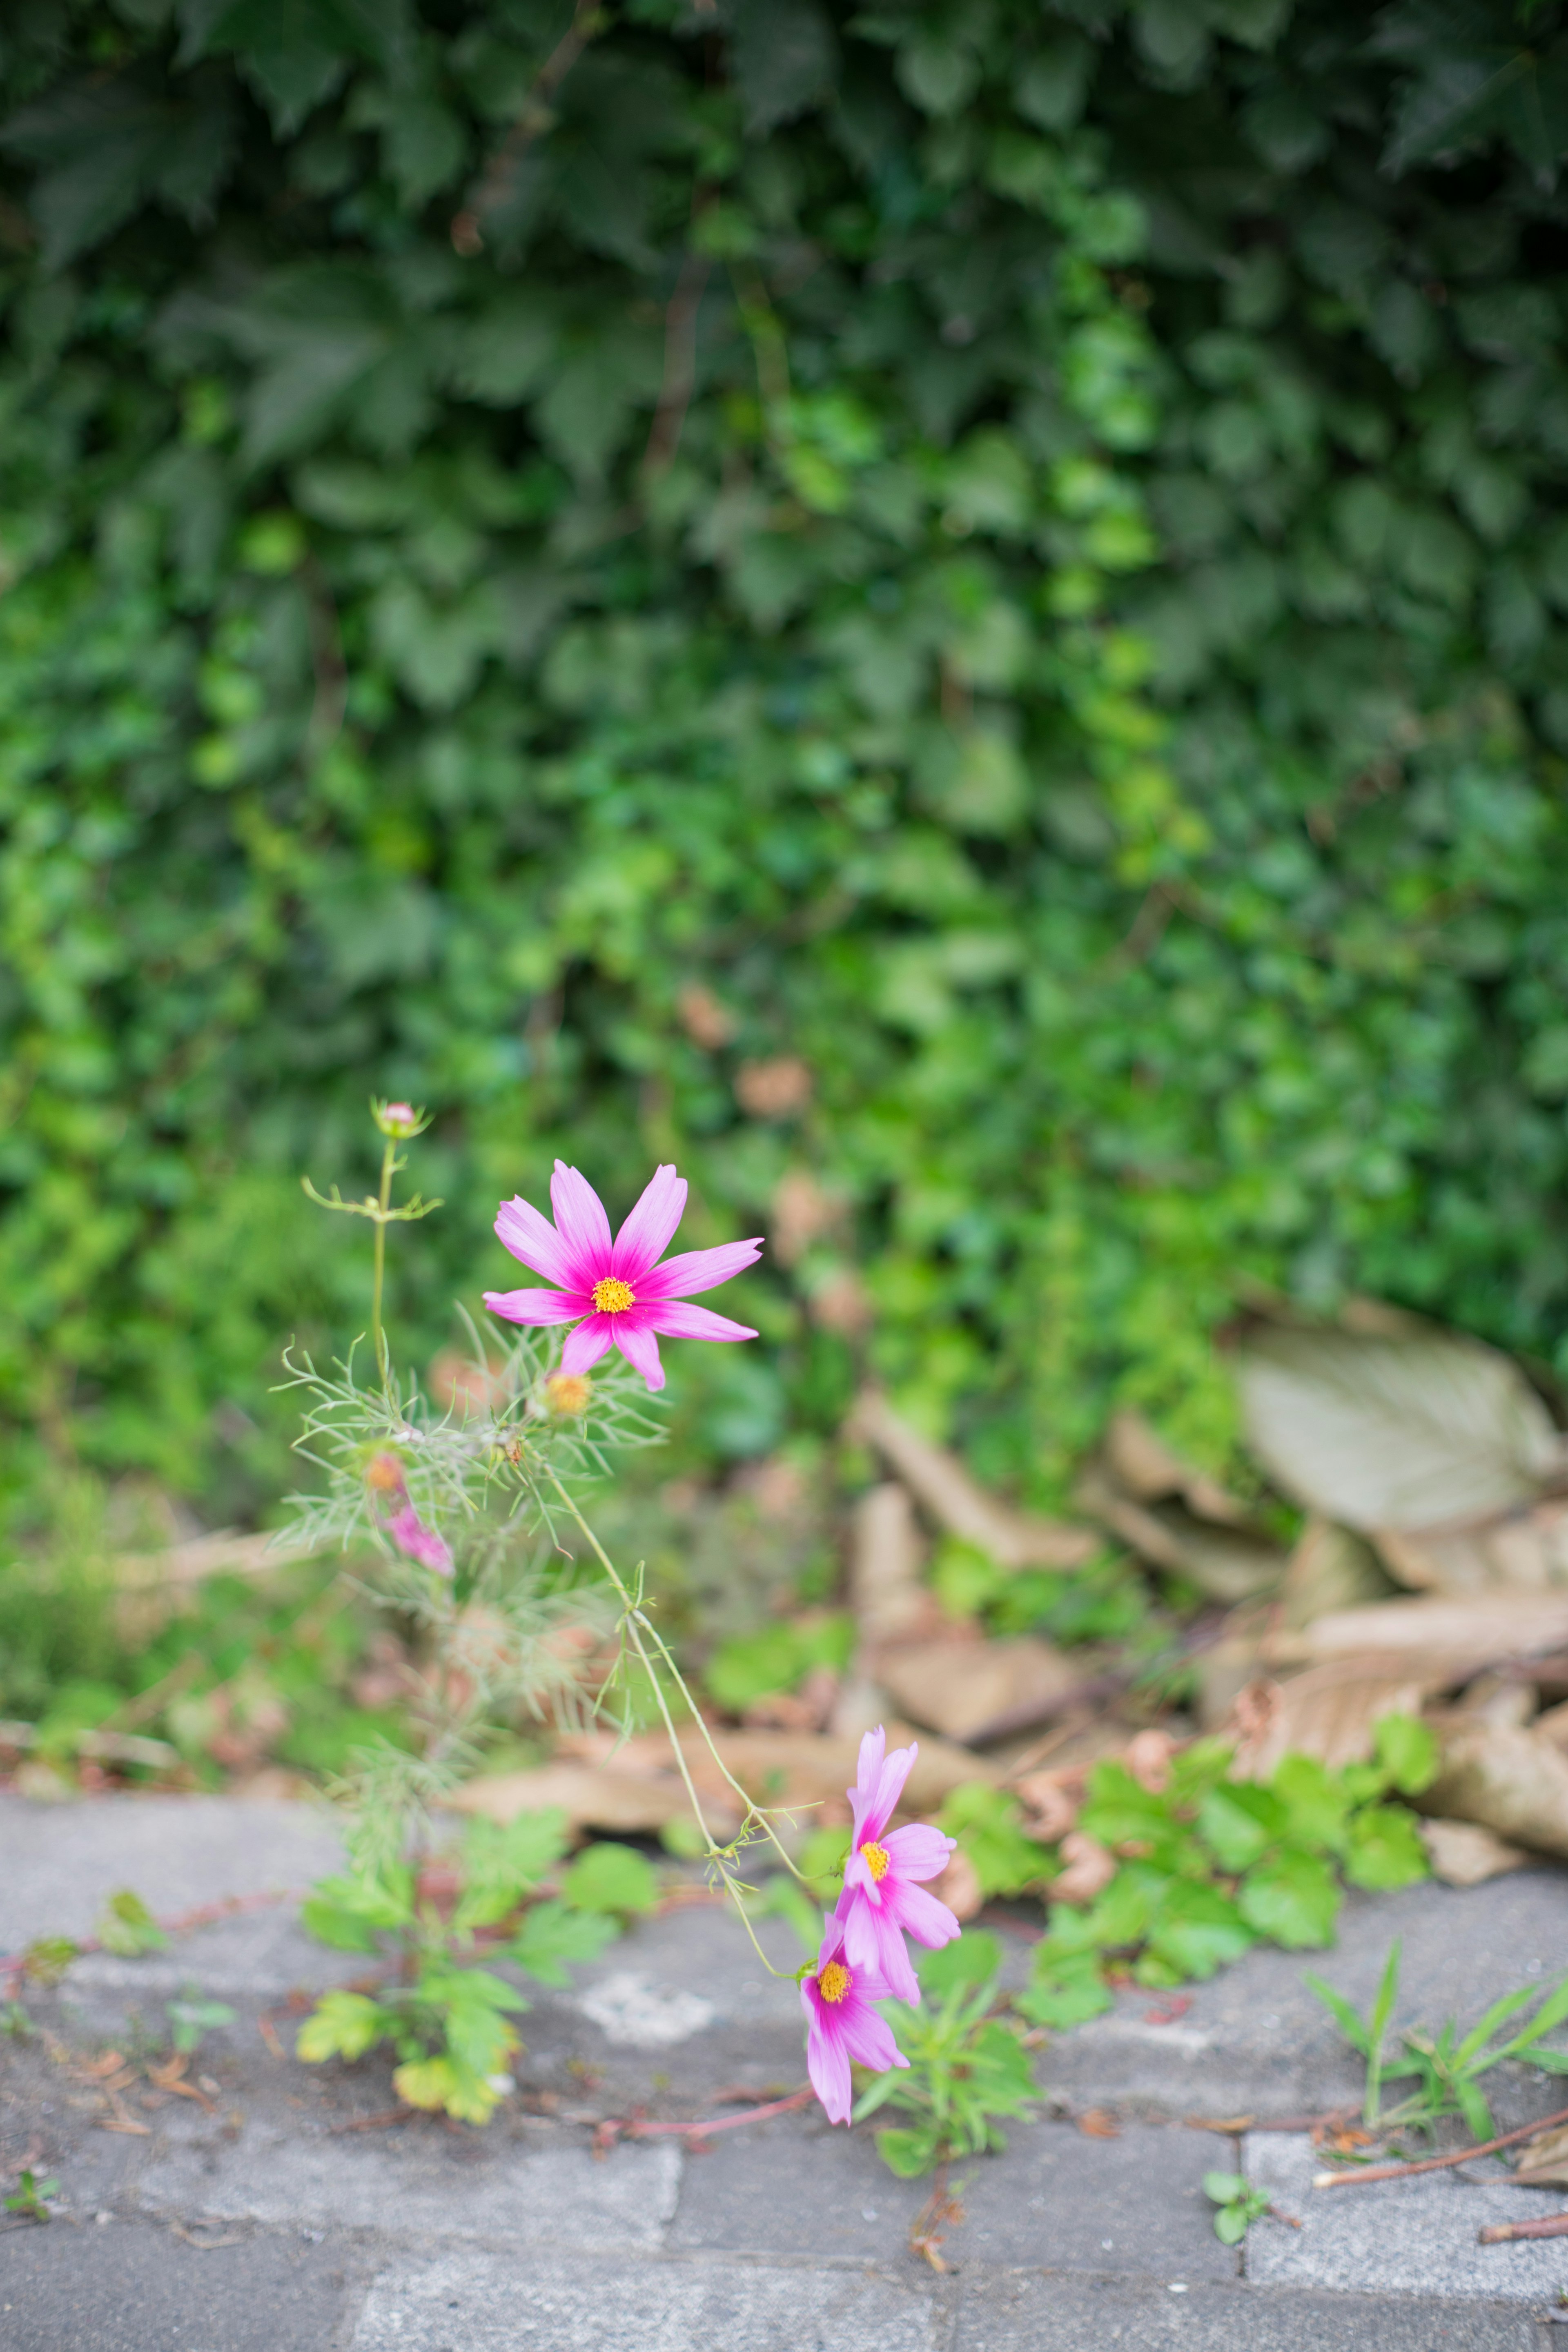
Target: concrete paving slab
x,y
1415,2237
420,2177
801,2187
1056,2314
1061,2201
479,2302
61,1861
124,2287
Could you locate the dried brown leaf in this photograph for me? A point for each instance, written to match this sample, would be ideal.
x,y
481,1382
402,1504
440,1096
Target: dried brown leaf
x,y
1462,1853
1472,1631
1330,1569
1509,1780
1329,1711
966,1689
939,1481
1409,1432
1090,1869
1543,2161
1229,1564
1139,1459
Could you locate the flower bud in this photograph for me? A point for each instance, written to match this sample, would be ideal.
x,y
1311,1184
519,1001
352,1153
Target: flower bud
x,y
567,1394
383,1474
398,1120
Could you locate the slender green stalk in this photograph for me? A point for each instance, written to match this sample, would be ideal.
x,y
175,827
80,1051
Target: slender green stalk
x,y
388,1164
638,1626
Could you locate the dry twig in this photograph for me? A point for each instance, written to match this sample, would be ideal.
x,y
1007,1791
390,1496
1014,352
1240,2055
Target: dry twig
x,y
1436,2163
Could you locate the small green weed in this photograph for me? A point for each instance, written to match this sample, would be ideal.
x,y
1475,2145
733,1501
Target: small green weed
x,y
967,2069
1240,2204
449,2021
191,2019
127,1928
30,2196
1446,2067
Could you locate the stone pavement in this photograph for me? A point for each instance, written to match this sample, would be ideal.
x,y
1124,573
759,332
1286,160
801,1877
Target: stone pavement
x,y
264,2225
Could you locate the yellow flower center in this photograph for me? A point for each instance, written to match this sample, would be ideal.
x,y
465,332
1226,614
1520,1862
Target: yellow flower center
x,y
877,1860
835,1981
612,1296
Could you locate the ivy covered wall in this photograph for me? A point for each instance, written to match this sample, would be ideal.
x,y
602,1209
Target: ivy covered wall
x,y
951,616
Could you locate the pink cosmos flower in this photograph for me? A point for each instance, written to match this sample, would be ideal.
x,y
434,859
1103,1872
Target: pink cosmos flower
x,y
841,2024
615,1291
882,1899
410,1533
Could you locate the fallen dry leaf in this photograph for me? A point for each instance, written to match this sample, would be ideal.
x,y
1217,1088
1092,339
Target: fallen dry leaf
x,y
1527,1550
1409,1430
886,1552
1140,1460
1543,2161
593,1796
1051,1803
1330,1569
1149,1755
1090,1867
1473,1632
939,1480
1095,2124
1509,1781
632,1785
1329,1711
1462,1853
1225,1563
967,1690
1554,1725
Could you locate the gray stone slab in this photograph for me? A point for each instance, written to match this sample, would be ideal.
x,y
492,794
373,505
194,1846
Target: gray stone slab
x,y
122,2287
479,2302
60,1861
420,2177
812,2190
1255,2040
1415,2237
1063,2202
1056,2314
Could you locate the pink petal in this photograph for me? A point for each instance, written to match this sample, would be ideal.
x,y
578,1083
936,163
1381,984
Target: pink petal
x,y
537,1306
677,1320
889,1788
638,1345
921,1915
585,1345
868,1774
649,1230
534,1240
699,1269
584,1227
828,2064
858,1880
875,1950
868,2038
918,1851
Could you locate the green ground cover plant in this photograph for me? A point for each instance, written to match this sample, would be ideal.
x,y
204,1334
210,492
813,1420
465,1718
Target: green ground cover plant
x,y
1445,2066
969,2071
1214,1865
953,614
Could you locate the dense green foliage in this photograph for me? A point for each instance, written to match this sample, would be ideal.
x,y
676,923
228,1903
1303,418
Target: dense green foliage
x,y
964,600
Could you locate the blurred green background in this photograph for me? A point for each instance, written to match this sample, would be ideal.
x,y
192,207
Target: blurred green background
x,y
951,616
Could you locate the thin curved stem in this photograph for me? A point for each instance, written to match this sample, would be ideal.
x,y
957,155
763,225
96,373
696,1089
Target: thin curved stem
x,y
638,1624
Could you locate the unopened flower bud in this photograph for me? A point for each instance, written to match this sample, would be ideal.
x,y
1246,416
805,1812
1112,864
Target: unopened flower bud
x,y
383,1474
567,1394
398,1120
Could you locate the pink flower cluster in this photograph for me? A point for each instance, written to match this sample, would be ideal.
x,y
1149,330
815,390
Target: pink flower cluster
x,y
863,1957
406,1529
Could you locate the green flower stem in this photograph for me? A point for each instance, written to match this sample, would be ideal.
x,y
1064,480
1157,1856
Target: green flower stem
x,y
388,1164
641,1632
